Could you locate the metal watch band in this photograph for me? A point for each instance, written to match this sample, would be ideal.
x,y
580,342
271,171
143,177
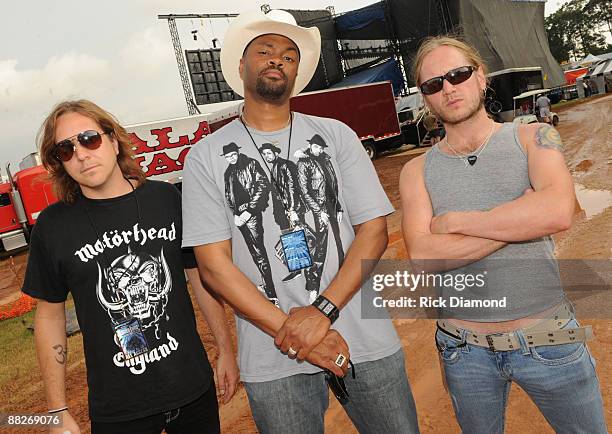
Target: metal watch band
x,y
327,308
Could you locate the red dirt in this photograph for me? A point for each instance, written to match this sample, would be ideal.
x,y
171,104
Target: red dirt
x,y
433,405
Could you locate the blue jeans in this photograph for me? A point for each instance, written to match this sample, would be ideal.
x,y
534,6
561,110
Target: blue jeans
x,y
380,400
560,379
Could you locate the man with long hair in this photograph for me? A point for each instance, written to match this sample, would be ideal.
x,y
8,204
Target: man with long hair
x,y
114,242
482,205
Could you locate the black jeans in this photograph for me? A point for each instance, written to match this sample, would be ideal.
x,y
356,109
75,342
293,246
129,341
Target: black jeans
x,y
199,416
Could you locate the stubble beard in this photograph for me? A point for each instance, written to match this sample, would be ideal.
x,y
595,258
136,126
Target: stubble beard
x,y
271,90
457,119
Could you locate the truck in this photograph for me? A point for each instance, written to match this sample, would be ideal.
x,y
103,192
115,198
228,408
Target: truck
x,y
161,148
22,197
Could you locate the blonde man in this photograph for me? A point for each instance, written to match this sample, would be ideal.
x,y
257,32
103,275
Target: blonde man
x,y
486,199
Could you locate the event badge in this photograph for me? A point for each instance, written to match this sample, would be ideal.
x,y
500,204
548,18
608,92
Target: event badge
x,y
130,337
295,247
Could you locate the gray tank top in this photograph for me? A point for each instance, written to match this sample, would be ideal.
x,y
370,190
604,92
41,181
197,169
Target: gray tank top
x,y
525,273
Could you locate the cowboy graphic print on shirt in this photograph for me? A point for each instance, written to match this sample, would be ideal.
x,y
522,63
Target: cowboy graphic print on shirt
x,y
247,191
304,195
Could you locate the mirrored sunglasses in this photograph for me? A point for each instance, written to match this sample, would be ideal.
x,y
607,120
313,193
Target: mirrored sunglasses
x,y
89,139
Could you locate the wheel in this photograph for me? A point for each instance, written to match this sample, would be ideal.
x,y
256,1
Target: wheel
x,y
555,120
370,150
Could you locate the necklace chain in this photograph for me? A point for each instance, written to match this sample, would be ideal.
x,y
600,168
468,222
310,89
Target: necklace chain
x,y
482,147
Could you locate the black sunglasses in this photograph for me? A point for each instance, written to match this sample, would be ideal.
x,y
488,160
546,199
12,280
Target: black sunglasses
x,y
337,386
89,139
454,76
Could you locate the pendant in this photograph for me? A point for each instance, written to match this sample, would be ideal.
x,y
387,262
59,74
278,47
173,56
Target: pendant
x,y
472,159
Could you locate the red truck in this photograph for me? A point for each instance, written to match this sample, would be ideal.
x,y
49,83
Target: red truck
x,y
161,148
22,198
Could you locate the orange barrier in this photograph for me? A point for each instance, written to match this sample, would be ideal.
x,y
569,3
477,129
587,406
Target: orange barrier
x,y
19,307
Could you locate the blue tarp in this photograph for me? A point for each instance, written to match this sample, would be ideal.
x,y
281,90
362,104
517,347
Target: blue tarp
x,y
389,70
360,18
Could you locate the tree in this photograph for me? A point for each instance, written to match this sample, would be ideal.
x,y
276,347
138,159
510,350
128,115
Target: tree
x,y
578,28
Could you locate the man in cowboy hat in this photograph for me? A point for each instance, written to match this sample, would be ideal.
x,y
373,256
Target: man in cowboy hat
x,y
267,59
319,186
247,190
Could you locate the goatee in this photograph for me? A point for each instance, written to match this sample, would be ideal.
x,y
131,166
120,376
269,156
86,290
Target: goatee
x,y
271,90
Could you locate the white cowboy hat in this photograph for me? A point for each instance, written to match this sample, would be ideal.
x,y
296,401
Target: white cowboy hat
x,y
250,25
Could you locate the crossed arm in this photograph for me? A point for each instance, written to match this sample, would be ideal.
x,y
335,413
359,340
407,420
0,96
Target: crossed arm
x,y
456,239
546,210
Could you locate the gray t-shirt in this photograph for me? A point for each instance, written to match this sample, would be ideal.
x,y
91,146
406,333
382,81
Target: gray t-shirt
x,y
542,102
324,184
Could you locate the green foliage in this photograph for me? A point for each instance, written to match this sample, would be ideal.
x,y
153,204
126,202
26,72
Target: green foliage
x,y
579,28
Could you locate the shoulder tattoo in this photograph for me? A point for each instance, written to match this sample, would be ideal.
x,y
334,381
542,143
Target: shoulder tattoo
x,y
547,137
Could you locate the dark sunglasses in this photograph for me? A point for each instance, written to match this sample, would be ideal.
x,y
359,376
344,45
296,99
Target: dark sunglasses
x,y
454,76
337,386
89,139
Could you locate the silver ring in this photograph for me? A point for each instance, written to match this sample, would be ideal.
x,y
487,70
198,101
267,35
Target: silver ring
x,y
292,351
340,360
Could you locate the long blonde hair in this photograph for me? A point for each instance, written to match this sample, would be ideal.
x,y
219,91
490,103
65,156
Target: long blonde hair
x,y
433,42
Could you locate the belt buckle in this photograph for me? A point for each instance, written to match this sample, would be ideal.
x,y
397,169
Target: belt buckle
x,y
489,339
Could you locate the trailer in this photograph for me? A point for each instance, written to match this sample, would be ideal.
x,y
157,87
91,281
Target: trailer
x,y
369,109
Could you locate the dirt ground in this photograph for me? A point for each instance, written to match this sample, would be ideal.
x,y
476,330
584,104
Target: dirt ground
x,y
585,130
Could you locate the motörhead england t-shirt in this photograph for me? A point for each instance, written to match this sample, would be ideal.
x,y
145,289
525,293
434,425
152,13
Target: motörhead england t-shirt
x,y
121,259
312,175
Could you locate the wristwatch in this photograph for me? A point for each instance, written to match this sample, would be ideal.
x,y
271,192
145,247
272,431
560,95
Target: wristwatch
x,y
327,308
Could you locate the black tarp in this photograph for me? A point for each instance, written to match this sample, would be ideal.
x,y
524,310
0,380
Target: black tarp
x,y
388,70
508,34
329,70
365,23
364,36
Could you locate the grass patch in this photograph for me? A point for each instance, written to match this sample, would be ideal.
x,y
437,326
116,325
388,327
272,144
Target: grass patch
x,y
20,379
19,354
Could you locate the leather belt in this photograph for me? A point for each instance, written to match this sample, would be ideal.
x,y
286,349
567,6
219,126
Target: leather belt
x,y
546,332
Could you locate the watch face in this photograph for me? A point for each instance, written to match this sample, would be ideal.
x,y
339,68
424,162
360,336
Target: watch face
x,y
328,309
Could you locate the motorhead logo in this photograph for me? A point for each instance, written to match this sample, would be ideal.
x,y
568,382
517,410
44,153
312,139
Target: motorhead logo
x,y
136,285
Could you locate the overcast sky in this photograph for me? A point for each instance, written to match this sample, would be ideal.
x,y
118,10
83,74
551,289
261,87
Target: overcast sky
x,y
116,53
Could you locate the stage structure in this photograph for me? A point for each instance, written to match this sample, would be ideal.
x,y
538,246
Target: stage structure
x,y
508,33
379,42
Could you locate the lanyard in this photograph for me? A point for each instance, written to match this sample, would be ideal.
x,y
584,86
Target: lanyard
x,y
278,190
95,230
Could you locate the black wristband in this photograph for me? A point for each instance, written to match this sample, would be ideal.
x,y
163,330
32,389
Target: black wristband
x,y
327,308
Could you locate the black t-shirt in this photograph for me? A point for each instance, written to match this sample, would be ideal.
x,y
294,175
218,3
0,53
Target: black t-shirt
x,y
121,259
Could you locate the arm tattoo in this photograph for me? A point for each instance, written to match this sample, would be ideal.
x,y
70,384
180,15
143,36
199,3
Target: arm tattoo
x,y
61,354
548,138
